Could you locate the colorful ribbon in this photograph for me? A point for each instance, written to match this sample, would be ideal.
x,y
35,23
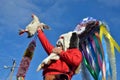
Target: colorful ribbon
x,y
106,56
90,69
94,55
97,48
112,44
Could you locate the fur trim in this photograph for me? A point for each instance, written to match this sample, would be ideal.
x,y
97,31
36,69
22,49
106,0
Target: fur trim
x,y
69,40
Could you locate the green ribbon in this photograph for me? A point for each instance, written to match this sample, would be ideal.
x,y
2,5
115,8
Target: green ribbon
x,y
93,73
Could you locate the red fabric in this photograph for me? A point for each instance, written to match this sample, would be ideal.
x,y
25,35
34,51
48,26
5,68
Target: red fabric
x,y
71,57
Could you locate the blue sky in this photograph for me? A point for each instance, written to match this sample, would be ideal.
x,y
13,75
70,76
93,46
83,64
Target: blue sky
x,y
61,15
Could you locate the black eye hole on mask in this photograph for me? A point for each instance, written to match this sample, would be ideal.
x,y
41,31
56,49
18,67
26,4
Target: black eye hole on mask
x,y
59,44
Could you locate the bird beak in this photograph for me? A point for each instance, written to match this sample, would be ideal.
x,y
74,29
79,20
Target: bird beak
x,y
32,15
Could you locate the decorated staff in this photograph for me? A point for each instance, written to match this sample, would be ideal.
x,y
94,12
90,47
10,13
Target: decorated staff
x,y
97,46
26,59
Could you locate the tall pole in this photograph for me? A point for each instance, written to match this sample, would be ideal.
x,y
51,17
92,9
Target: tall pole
x,y
12,69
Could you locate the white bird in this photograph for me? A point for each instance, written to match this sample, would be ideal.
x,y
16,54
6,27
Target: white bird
x,y
33,26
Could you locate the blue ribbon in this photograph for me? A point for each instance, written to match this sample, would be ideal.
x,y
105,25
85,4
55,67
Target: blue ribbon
x,y
94,55
107,62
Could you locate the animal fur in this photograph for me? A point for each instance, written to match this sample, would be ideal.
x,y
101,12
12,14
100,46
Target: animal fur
x,y
33,26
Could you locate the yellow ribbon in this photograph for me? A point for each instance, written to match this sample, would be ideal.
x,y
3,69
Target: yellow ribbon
x,y
113,43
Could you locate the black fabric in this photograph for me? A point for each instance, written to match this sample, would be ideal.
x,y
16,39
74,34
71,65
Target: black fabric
x,y
91,27
59,77
74,40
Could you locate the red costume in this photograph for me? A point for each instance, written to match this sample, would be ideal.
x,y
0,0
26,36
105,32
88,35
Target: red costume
x,y
68,62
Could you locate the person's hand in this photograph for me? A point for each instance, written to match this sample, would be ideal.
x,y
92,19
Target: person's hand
x,y
57,50
39,28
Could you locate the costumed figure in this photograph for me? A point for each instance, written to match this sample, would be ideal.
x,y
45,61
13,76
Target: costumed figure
x,y
68,60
